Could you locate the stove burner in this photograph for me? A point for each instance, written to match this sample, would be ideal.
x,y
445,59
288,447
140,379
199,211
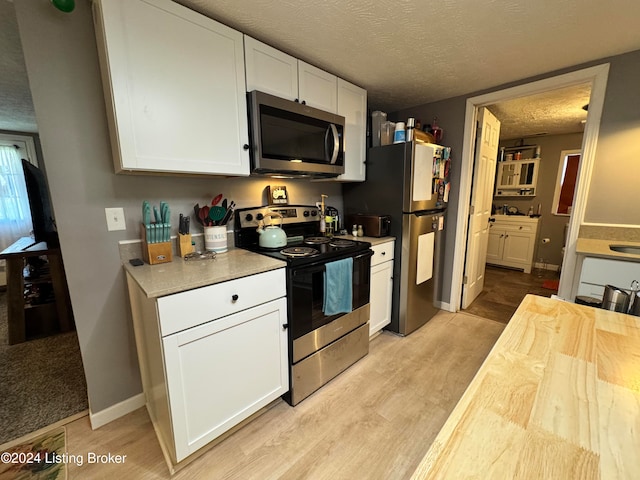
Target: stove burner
x,y
340,243
316,240
299,252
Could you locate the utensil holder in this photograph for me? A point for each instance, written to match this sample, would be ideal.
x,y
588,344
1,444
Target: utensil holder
x,y
155,253
215,239
184,244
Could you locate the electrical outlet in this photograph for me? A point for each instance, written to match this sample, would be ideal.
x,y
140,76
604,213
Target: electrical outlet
x,y
115,219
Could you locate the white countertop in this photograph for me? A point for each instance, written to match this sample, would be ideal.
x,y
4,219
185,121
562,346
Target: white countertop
x,y
180,275
595,247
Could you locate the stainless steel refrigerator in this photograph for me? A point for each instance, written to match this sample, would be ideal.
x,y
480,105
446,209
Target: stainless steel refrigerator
x,y
410,182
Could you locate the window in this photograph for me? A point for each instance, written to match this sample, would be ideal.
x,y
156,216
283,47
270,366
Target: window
x,y
566,182
15,216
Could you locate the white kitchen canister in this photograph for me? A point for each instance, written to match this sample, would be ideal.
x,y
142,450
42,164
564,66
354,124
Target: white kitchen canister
x,y
215,239
399,135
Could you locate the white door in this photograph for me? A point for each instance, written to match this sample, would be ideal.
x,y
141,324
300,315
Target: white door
x,y
481,196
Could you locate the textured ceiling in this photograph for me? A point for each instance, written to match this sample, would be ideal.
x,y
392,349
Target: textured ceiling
x,y
551,113
407,53
410,53
16,106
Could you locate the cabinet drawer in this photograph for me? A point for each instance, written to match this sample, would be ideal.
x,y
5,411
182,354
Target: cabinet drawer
x,y
382,253
194,307
513,227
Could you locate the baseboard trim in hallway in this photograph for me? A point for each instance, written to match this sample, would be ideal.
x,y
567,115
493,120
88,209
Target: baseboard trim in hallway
x,y
116,411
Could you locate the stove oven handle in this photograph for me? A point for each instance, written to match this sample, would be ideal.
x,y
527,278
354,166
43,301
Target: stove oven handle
x,y
315,267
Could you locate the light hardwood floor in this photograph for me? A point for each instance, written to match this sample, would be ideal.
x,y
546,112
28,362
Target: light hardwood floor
x,y
375,421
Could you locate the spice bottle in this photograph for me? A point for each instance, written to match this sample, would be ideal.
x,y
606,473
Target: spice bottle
x,y
360,231
354,231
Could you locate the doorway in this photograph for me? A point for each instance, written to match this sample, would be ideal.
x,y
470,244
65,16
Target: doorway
x,y
42,380
596,77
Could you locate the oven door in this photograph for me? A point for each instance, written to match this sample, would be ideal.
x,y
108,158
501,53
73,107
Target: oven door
x,y
306,293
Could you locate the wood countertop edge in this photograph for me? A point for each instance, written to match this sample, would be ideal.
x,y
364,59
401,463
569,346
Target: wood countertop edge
x,y
603,326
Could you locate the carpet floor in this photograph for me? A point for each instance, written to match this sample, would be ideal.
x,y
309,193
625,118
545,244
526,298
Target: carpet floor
x,y
41,381
504,289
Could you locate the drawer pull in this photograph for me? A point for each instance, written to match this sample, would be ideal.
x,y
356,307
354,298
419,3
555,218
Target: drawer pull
x,y
234,298
383,253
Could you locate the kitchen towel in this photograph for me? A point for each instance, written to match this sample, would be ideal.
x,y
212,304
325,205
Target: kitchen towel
x,y
338,287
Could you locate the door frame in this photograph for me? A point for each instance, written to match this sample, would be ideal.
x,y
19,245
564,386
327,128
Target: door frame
x,y
597,76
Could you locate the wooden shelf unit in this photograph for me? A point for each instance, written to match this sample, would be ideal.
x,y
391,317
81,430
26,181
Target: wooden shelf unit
x,y
27,320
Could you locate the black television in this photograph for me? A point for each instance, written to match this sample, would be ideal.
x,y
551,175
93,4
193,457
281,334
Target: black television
x,y
44,224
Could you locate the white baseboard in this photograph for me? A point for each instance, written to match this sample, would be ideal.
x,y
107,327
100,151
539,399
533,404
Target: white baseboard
x,y
546,266
445,306
116,411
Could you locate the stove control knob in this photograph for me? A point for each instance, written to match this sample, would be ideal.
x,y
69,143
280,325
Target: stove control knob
x,y
249,217
259,216
314,213
306,213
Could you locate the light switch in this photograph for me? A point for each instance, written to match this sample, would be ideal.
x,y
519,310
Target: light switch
x,y
115,219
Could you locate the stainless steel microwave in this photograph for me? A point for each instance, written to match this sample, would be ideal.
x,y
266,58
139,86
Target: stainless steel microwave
x,y
290,139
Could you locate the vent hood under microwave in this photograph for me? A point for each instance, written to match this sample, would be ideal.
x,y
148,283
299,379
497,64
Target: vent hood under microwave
x,y
291,139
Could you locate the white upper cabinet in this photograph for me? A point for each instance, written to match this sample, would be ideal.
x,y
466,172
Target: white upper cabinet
x,y
352,105
317,88
269,70
272,71
174,83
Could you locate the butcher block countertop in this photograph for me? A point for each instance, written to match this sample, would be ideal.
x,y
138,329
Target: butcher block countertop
x,y
558,397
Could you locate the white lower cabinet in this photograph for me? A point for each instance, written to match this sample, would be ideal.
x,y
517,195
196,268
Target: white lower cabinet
x,y
512,242
596,273
381,286
221,372
206,378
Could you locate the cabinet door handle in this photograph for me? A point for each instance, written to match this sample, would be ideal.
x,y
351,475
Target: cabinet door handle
x,y
245,146
506,236
285,326
501,235
234,298
520,227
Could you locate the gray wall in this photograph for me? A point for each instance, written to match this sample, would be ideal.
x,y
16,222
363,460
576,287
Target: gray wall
x,y
613,194
62,64
614,181
550,226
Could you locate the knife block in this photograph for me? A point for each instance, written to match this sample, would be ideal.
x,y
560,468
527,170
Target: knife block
x,y
155,253
184,244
